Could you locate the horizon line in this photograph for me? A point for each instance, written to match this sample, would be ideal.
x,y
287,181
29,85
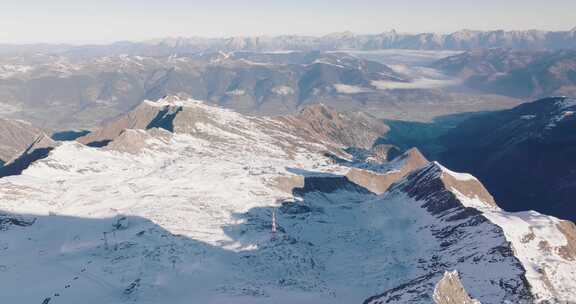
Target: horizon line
x,y
108,42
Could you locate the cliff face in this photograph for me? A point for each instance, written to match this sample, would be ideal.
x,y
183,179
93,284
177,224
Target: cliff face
x,y
449,290
523,155
15,137
380,180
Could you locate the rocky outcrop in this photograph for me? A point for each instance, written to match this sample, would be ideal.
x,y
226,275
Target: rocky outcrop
x,y
449,290
540,248
568,229
315,125
15,137
379,182
39,149
134,141
7,220
145,116
439,187
456,224
320,123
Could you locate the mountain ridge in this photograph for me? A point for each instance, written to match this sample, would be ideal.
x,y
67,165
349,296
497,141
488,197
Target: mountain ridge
x,y
459,40
526,160
196,213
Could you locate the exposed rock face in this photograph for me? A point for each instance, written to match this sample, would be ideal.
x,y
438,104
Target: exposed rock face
x,y
145,116
7,220
379,182
382,153
135,140
539,260
523,155
568,229
321,123
316,124
15,137
449,290
433,185
37,150
450,216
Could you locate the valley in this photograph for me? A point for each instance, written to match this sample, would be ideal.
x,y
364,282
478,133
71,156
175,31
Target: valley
x,y
406,168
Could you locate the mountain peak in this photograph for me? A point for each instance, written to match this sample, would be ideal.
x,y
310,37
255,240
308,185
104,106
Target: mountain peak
x,y
443,189
413,156
15,137
38,149
318,109
318,122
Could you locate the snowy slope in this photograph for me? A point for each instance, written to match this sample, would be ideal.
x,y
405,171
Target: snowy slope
x,y
525,254
186,217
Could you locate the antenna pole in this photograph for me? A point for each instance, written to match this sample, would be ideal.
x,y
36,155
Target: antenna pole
x,y
273,220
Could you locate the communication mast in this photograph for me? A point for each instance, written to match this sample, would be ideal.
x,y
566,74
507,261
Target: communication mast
x,y
273,220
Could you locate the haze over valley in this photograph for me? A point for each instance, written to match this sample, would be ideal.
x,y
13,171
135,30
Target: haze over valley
x,y
399,167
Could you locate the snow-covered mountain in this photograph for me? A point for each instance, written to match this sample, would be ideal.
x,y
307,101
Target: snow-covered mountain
x,y
183,202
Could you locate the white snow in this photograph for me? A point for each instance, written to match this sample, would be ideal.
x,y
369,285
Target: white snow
x,y
172,101
350,89
236,92
456,175
11,70
188,218
528,232
418,83
283,90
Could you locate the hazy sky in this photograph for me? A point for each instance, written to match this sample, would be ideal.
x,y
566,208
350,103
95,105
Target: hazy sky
x,y
99,21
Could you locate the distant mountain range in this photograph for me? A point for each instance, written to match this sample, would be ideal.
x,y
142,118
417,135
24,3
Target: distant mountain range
x,y
517,73
61,92
460,40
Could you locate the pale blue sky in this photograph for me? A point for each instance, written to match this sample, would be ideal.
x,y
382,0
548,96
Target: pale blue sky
x,y
100,21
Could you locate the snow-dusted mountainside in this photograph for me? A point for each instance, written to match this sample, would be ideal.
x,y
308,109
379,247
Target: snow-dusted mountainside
x,y
66,92
524,155
516,257
518,73
197,204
